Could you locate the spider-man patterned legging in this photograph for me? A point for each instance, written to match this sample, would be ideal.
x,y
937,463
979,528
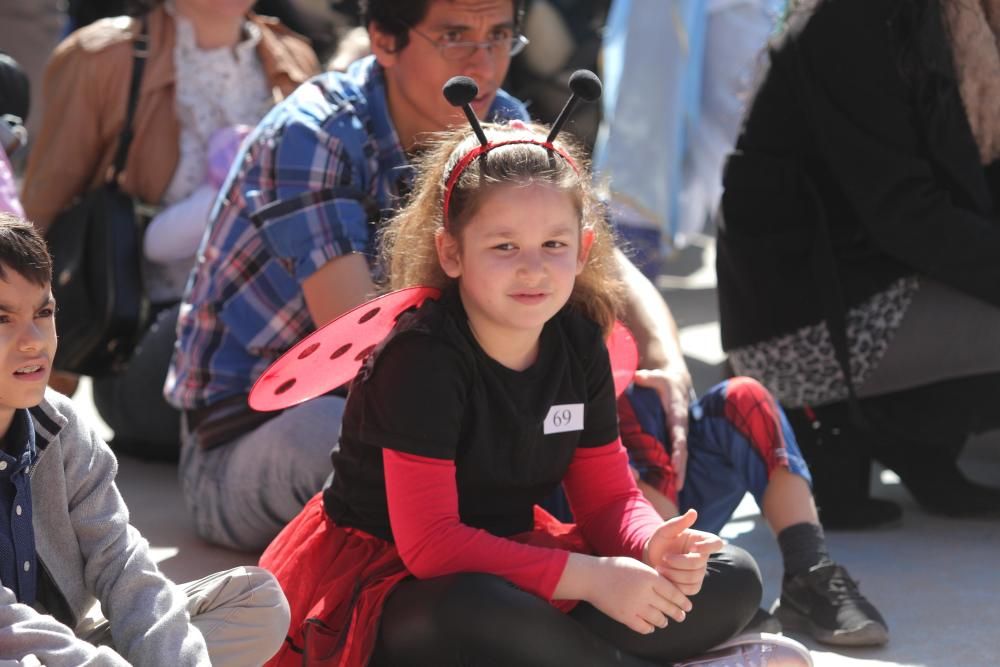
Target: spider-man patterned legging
x,y
737,436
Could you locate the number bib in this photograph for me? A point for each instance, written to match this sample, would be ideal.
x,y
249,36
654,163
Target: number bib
x,y
563,418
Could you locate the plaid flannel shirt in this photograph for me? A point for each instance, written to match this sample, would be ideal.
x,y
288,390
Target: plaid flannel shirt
x,y
309,185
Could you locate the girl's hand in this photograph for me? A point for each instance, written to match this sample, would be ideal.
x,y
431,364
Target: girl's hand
x,y
680,553
633,594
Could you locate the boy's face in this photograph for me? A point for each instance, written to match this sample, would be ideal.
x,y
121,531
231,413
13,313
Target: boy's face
x,y
27,342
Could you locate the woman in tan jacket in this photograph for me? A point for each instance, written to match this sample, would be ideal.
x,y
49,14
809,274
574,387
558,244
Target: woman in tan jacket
x,y
212,66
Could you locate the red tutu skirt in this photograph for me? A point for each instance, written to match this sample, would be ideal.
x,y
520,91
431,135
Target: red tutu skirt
x,y
337,580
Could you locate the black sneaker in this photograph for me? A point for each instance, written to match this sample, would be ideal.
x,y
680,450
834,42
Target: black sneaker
x,y
825,603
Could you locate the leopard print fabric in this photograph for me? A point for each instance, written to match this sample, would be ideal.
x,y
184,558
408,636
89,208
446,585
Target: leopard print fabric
x,y
801,368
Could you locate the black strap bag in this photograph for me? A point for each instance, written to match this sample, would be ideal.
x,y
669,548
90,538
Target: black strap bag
x,y
96,247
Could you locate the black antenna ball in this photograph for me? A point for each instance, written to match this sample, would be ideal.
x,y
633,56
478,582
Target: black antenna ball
x,y
585,85
461,90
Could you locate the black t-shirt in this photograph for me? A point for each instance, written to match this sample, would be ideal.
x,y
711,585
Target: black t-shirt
x,y
431,390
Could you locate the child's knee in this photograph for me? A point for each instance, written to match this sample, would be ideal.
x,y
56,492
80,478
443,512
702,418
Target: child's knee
x,y
755,414
242,614
266,590
266,603
269,601
742,390
739,577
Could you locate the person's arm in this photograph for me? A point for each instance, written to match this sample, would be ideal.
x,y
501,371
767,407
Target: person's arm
x,y
339,285
147,612
608,507
876,149
318,223
175,232
24,633
433,542
661,361
67,150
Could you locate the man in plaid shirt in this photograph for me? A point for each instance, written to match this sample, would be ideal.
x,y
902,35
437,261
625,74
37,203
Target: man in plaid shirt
x,y
291,246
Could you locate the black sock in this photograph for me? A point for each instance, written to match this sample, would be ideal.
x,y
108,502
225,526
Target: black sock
x,y
803,546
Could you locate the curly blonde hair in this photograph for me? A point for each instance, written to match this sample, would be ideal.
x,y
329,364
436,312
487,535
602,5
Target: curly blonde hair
x,y
408,246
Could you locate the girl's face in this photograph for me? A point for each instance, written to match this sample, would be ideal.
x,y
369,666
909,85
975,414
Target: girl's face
x,y
517,260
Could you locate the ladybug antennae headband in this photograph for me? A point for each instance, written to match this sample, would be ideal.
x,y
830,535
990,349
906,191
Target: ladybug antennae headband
x,y
461,90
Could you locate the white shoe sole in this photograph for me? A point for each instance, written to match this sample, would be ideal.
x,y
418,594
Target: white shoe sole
x,y
758,649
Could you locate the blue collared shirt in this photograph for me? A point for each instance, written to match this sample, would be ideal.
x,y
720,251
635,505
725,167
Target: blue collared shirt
x,y
17,536
306,188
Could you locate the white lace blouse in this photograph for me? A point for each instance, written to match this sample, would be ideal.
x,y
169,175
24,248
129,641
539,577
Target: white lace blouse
x,y
215,88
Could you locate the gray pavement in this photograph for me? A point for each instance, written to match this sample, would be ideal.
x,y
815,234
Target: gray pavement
x,y
932,578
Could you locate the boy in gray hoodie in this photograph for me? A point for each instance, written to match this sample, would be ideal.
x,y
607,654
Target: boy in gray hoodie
x,y
65,537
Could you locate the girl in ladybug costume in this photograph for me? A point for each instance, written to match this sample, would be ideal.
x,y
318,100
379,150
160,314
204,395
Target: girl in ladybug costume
x,y
428,548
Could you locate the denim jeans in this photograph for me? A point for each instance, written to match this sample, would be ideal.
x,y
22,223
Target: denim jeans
x,y
242,493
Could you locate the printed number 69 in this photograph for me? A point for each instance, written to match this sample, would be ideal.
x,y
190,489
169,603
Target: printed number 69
x,y
561,418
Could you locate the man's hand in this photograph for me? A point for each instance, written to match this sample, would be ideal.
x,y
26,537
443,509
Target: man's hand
x,y
675,390
680,553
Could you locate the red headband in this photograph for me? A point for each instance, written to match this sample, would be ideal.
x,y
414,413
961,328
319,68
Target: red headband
x,y
467,159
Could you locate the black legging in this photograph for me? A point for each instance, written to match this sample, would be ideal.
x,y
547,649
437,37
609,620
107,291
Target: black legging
x,y
481,619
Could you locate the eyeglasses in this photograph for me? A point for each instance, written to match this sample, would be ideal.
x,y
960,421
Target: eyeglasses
x,y
500,46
